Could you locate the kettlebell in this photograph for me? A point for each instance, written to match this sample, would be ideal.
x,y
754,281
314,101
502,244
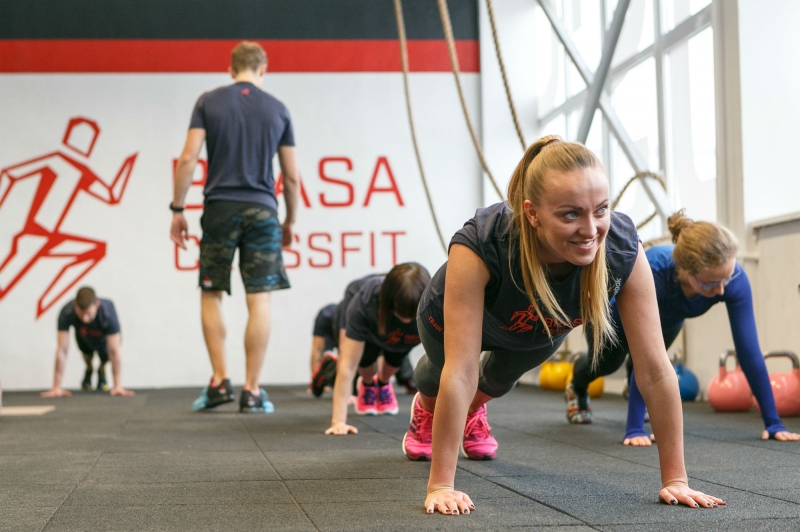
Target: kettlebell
x,y
687,383
554,372
729,391
785,386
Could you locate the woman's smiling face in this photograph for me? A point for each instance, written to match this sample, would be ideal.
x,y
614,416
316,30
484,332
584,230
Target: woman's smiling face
x,y
573,216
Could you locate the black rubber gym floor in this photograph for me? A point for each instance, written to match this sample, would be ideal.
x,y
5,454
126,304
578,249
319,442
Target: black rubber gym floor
x,y
150,463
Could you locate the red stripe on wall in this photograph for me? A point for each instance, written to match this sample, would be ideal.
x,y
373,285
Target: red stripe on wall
x,y
73,55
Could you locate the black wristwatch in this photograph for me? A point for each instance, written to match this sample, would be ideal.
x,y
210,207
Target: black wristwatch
x,y
173,208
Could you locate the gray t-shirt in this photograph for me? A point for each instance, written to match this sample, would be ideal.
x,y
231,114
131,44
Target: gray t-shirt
x,y
509,321
244,127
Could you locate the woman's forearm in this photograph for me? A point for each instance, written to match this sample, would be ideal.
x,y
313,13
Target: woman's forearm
x,y
455,394
660,391
341,393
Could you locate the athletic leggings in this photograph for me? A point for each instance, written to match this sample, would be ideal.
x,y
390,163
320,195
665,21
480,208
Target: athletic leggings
x,y
610,359
500,368
372,352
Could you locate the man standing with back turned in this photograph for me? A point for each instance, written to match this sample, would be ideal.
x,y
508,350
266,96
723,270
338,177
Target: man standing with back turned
x,y
243,127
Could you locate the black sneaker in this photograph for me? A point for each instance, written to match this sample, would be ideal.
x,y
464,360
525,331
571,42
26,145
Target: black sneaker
x,y
252,404
102,385
213,396
86,385
325,375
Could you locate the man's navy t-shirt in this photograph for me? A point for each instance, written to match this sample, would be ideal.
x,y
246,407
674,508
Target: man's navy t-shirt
x,y
244,128
90,337
509,321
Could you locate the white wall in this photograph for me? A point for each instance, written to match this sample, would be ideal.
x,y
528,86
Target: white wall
x,y
769,48
514,19
358,116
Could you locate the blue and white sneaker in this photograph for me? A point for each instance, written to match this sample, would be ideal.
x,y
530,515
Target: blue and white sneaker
x,y
251,404
213,396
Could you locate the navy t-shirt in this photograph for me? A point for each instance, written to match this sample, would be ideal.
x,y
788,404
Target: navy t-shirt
x,y
509,321
325,327
244,128
90,337
340,315
362,321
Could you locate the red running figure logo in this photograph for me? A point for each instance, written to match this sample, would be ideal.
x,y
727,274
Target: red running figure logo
x,y
522,320
49,186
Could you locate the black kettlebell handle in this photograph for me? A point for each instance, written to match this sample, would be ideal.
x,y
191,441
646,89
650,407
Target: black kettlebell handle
x,y
723,358
575,355
560,356
790,354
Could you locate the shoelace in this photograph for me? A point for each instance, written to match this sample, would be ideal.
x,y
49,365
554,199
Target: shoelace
x,y
424,428
477,427
385,395
369,395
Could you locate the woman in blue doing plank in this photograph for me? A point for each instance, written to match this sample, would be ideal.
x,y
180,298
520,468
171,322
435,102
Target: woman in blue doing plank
x,y
691,276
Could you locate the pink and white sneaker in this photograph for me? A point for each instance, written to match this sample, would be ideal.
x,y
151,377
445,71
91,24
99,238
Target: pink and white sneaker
x,y
366,402
387,402
478,443
417,441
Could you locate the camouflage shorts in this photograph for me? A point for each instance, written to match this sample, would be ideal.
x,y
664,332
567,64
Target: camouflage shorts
x,y
255,231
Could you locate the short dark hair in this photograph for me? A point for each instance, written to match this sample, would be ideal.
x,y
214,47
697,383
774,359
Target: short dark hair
x,y
401,291
85,298
247,56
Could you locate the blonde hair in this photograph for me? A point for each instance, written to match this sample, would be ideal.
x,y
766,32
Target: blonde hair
x,y
700,245
247,56
551,153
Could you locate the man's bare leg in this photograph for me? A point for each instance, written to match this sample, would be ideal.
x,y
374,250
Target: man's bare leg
x,y
214,332
256,337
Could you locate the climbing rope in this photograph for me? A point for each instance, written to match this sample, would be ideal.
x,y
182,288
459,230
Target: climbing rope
x,y
401,32
655,241
503,74
444,12
641,176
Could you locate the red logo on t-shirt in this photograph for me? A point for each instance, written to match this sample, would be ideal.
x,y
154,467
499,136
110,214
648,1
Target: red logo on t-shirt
x,y
394,337
522,320
245,91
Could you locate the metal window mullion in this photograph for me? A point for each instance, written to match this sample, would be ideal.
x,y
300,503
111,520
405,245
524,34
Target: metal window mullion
x,y
661,121
573,103
601,74
632,61
687,29
657,196
659,57
606,146
565,74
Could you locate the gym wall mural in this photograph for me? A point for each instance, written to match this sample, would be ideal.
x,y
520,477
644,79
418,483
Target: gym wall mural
x,y
96,101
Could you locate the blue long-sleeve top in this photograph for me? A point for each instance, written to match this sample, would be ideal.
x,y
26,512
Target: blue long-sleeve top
x,y
674,307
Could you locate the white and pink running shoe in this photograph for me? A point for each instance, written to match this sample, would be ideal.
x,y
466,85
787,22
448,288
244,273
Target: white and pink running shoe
x,y
366,402
478,443
417,441
387,402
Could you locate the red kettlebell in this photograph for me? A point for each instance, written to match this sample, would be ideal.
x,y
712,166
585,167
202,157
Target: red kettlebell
x,y
729,391
785,386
